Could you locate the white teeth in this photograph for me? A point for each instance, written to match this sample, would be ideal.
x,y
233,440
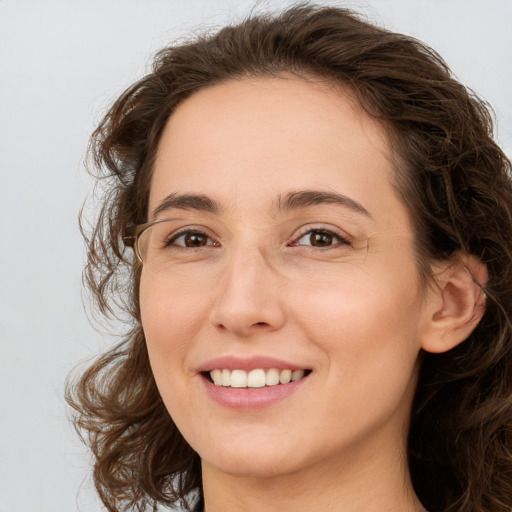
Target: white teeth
x,y
272,377
238,379
285,376
297,374
226,378
216,376
256,378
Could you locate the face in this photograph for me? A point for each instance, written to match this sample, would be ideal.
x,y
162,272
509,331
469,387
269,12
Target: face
x,y
287,250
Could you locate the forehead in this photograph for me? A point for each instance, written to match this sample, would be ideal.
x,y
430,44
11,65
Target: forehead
x,y
255,139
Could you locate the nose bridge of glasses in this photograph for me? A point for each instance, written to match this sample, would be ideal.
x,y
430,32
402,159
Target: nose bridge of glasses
x,y
257,250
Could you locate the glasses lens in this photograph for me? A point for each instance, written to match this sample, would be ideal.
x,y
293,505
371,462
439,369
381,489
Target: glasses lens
x,y
153,243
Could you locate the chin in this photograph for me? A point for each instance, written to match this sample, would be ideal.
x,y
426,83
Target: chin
x,y
249,455
263,466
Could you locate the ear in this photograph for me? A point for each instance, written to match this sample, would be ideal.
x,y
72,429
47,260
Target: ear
x,y
455,304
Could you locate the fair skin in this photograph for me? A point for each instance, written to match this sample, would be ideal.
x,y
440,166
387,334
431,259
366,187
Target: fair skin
x,y
279,277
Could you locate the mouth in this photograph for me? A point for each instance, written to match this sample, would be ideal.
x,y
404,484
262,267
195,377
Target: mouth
x,y
256,378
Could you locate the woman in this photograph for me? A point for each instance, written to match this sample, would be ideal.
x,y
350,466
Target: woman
x,y
320,290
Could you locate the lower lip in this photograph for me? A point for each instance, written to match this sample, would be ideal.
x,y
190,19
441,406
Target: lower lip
x,y
251,398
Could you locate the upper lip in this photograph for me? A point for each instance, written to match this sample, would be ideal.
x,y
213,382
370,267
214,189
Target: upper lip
x,y
248,363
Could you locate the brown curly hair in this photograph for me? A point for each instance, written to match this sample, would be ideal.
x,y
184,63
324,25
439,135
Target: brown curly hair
x,y
451,175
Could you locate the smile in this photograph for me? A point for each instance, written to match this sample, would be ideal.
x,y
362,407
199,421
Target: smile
x,y
253,382
256,378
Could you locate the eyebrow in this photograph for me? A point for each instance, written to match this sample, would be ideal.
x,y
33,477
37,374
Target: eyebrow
x,y
197,202
305,198
294,200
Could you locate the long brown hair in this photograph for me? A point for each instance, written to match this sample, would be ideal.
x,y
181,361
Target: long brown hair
x,y
451,175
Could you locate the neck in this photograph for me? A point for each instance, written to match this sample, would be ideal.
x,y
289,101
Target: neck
x,y
367,479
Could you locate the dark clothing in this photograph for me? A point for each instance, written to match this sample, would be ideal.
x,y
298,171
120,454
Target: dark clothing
x,y
199,506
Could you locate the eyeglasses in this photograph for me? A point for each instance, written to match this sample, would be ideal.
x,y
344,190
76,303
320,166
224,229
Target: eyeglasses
x,y
162,244
139,236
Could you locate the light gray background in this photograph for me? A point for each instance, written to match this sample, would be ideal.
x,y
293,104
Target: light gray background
x,y
61,63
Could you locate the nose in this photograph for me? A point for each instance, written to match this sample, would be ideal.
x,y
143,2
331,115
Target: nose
x,y
249,297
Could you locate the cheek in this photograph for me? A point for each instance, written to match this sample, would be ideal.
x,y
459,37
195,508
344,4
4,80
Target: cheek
x,y
381,299
169,317
170,310
366,325
368,338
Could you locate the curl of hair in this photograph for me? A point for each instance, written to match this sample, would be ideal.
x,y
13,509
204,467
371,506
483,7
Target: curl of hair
x,y
450,174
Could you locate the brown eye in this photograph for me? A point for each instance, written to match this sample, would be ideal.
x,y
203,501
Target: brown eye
x,y
320,238
193,239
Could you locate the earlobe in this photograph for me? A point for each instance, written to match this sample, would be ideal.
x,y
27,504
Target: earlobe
x,y
456,303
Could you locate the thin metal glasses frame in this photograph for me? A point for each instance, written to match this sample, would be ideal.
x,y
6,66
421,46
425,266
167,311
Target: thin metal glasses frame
x,y
133,233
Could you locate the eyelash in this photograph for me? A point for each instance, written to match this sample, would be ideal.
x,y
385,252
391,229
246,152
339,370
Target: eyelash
x,y
170,242
342,240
